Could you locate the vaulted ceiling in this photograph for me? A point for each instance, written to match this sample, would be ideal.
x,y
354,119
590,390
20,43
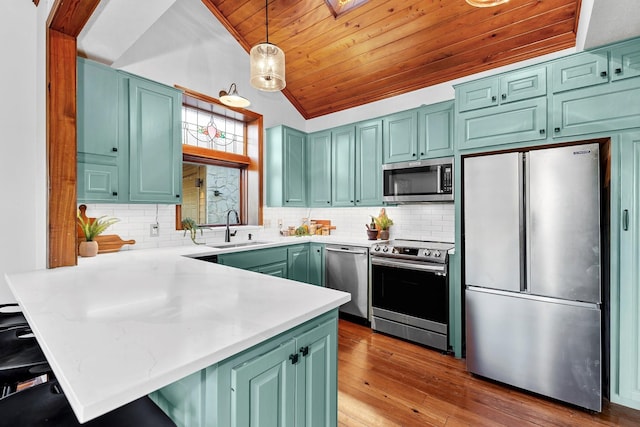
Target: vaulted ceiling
x,y
386,48
377,50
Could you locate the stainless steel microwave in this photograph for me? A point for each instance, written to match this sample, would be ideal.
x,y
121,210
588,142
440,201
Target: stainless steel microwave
x,y
418,181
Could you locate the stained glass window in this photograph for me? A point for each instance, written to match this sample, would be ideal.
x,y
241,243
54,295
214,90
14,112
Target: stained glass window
x,y
213,131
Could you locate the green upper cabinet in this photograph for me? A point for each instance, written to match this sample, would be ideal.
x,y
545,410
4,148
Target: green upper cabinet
x,y
515,122
343,152
319,168
510,87
625,61
286,167
582,70
155,147
596,109
435,130
129,147
316,264
98,109
368,163
298,263
400,137
103,139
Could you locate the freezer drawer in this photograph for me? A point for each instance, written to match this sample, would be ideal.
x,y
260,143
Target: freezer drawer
x,y
538,344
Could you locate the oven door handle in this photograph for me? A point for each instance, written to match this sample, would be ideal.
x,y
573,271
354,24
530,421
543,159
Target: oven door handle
x,y
440,270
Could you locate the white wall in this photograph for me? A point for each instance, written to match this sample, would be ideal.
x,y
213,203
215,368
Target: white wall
x,y
22,150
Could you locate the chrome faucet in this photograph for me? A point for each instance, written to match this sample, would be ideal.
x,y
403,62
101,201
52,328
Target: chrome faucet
x,y
228,234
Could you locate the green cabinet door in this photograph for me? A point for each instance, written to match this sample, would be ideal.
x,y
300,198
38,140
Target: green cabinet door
x,y
625,61
319,169
577,71
255,259
509,123
627,322
263,389
298,262
523,84
478,94
343,166
316,264
155,145
596,109
316,377
400,137
277,269
98,103
295,192
97,183
368,167
435,130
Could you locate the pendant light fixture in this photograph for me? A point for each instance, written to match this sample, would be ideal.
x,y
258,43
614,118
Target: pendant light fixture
x,y
232,99
486,3
267,63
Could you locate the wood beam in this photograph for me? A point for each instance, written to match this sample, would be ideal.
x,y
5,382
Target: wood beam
x,y
66,20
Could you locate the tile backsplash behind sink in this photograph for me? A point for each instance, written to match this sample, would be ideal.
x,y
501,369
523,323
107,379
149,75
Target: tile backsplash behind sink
x,y
431,221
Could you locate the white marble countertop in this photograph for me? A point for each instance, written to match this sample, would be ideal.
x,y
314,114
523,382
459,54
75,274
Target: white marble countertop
x,y
121,325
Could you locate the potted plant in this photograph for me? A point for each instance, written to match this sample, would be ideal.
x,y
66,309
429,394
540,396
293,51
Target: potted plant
x,y
91,228
383,222
190,224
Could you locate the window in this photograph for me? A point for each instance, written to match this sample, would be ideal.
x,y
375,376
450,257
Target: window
x,y
222,169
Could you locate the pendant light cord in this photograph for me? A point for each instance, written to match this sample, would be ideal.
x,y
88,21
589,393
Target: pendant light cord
x,y
266,14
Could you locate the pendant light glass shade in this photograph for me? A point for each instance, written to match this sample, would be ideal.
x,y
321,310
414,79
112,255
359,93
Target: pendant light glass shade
x,y
486,3
267,67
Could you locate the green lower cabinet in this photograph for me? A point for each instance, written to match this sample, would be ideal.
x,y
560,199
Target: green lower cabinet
x,y
263,389
316,264
256,259
278,269
289,380
298,262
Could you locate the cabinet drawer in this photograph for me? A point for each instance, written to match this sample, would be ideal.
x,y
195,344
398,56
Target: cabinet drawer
x,y
598,109
254,258
516,122
586,69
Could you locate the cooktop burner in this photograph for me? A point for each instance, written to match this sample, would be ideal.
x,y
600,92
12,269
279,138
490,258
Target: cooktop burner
x,y
416,250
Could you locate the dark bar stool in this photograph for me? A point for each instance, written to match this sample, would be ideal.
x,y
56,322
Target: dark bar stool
x,y
46,405
21,357
10,316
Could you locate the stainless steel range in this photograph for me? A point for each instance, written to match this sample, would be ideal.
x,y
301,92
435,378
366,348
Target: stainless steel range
x,y
410,291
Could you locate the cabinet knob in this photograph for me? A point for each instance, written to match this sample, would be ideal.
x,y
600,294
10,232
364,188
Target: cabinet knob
x,y
493,98
556,130
618,70
114,149
294,358
329,201
413,155
603,74
422,154
542,132
504,96
304,350
114,194
357,201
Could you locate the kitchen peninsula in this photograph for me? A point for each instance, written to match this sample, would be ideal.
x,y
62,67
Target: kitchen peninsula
x,y
123,325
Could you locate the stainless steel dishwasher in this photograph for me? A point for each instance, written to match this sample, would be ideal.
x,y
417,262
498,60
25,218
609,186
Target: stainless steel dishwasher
x,y
347,269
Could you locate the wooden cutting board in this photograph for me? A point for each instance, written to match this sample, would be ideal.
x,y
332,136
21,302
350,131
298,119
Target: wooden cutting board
x,y
106,242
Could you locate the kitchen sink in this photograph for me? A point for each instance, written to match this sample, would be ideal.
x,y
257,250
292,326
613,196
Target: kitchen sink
x,y
238,244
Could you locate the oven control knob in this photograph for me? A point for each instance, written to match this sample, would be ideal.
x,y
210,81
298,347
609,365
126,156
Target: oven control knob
x,y
436,254
377,248
427,252
385,249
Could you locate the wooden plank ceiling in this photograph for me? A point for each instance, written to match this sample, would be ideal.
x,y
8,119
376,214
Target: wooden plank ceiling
x,y
387,48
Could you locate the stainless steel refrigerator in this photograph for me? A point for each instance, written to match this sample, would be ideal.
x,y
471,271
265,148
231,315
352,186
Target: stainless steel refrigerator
x,y
532,271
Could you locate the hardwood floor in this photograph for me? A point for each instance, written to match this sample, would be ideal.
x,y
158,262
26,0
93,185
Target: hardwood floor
x,y
383,381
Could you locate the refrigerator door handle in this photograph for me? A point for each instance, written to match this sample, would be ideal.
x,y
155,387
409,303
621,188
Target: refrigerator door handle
x,y
625,219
